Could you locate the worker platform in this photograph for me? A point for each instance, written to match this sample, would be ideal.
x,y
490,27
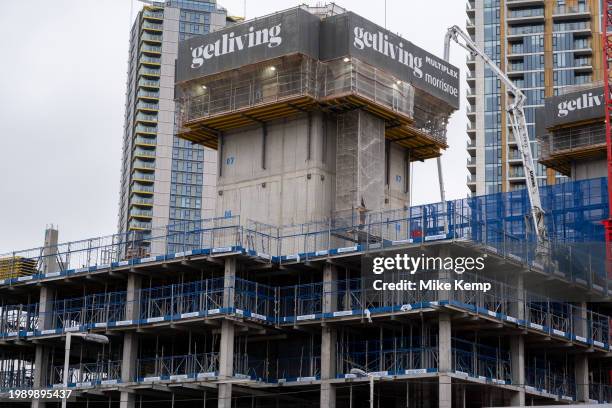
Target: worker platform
x,y
291,85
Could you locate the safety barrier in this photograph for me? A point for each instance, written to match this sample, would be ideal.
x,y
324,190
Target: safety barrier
x,y
295,304
498,222
480,361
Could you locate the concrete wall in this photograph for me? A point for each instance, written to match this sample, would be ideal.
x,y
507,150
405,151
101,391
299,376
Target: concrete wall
x,y
396,193
589,169
281,186
289,188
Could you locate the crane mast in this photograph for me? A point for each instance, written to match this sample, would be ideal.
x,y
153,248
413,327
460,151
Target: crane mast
x,y
518,124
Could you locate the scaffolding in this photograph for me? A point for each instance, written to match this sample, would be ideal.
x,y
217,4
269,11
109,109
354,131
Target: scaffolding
x,y
293,84
496,222
560,147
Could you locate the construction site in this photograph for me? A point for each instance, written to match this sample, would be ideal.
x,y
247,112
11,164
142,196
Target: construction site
x,y
316,114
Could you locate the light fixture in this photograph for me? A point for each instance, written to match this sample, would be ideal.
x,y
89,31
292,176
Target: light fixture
x,y
272,68
346,59
398,82
203,86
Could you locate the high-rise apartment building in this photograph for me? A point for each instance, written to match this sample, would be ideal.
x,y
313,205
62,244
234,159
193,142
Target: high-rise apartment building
x,y
164,180
543,46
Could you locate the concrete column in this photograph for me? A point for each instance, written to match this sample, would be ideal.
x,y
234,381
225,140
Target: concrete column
x,y
330,286
229,282
517,305
517,361
444,276
41,354
130,340
128,368
226,352
49,261
580,320
45,308
581,372
328,338
328,366
444,361
226,363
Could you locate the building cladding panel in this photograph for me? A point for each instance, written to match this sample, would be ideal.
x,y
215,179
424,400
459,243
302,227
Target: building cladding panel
x,y
543,46
164,180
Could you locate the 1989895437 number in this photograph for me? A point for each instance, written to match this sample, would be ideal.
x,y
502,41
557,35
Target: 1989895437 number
x,y
39,394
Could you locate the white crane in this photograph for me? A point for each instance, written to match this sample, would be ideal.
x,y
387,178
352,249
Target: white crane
x,y
518,123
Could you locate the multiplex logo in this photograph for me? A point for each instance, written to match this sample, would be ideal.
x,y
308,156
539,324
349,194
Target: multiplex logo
x,y
584,101
230,42
380,42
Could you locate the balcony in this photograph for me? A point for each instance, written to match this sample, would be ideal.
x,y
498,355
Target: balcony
x,y
145,141
577,12
141,201
470,62
147,130
143,165
150,61
576,27
138,188
147,106
516,173
148,83
152,26
151,49
147,154
471,27
142,118
143,94
470,8
143,177
520,31
525,16
149,72
154,15
139,213
139,225
511,4
151,38
514,157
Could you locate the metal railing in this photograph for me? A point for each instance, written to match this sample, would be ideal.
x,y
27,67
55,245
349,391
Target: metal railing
x,y
477,360
302,76
173,366
92,373
572,139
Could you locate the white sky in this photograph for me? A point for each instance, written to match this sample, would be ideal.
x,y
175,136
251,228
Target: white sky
x,y
63,71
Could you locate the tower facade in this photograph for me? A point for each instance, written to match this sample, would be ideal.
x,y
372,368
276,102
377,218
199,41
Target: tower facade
x,y
164,180
543,46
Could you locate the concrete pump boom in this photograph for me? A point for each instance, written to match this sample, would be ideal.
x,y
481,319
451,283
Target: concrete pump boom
x,y
518,123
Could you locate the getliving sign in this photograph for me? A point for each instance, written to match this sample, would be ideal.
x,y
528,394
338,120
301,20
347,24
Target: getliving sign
x,y
575,107
297,31
293,31
383,49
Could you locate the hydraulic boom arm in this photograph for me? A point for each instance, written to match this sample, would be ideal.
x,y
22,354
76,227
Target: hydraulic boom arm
x,y
518,123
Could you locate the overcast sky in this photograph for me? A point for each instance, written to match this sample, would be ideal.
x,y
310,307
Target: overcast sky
x,y
63,71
